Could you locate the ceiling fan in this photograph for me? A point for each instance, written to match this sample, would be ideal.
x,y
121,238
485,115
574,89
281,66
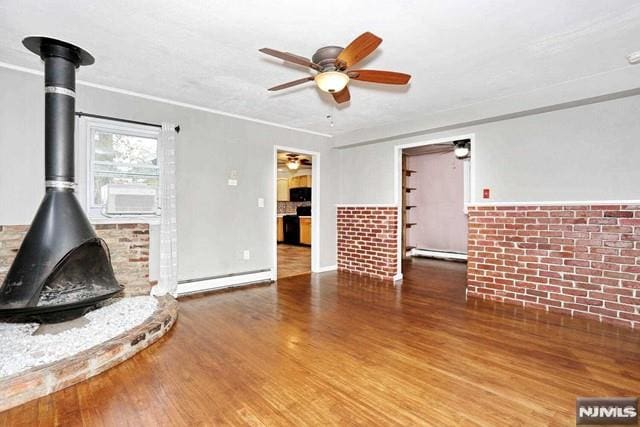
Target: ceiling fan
x,y
294,161
332,64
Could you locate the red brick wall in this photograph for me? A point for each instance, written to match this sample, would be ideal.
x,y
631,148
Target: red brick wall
x,y
578,260
367,241
128,244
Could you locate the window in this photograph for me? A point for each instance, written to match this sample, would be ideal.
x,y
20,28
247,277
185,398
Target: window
x,y
124,157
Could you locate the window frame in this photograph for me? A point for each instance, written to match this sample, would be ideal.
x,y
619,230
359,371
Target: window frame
x,y
90,126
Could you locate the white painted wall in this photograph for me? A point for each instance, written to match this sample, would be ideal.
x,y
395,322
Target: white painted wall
x,y
215,222
586,153
590,152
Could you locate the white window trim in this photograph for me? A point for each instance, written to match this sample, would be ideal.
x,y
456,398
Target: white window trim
x,y
84,163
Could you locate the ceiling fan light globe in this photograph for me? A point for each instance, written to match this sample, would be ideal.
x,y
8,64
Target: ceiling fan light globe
x,y
293,165
332,81
461,152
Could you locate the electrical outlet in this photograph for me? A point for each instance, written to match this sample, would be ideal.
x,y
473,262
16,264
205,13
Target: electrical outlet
x,y
232,182
246,254
260,202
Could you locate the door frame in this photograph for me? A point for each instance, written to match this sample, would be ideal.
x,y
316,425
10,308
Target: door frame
x,y
469,177
315,207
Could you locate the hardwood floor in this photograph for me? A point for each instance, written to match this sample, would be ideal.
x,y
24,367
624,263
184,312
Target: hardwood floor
x,y
293,260
338,349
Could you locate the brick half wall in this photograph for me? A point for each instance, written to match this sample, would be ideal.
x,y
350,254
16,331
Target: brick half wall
x,y
578,260
128,245
368,241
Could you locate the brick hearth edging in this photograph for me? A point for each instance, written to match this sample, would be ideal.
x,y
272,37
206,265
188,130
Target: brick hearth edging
x,y
578,260
368,240
46,379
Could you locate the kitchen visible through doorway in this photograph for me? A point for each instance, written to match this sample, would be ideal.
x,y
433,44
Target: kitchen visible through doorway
x,y
294,215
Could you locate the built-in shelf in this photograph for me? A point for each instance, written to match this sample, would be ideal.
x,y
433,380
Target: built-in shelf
x,y
406,211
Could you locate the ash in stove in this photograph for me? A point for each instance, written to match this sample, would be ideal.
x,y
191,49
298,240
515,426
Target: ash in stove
x,y
65,292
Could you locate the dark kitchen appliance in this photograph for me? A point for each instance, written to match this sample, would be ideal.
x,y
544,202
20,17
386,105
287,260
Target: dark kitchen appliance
x,y
303,210
300,194
291,226
62,268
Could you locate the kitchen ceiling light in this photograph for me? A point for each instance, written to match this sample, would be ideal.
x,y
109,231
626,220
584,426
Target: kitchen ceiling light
x,y
293,164
463,148
332,81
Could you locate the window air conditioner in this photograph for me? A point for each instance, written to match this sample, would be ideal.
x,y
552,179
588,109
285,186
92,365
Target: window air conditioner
x,y
130,199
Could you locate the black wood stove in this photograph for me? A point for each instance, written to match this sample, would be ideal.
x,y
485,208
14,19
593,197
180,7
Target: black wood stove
x,y
62,269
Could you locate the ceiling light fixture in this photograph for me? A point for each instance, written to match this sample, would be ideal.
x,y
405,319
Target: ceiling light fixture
x,y
293,164
463,148
332,81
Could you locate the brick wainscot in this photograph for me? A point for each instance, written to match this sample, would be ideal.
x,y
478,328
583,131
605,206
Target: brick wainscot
x,y
578,260
128,245
368,241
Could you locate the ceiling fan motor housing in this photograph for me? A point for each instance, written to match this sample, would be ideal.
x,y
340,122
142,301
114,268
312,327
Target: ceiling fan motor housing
x,y
326,56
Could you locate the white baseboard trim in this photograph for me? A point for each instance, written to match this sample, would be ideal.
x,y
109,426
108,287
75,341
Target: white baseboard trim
x,y
327,268
222,282
438,254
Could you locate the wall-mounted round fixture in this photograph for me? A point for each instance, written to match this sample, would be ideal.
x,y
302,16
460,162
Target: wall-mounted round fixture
x,y
332,81
634,58
463,148
293,164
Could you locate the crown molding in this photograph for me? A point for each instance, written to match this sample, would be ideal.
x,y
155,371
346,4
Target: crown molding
x,y
168,101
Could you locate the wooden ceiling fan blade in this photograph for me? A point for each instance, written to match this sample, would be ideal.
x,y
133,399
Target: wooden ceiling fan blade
x,y
359,49
289,57
343,96
292,83
380,76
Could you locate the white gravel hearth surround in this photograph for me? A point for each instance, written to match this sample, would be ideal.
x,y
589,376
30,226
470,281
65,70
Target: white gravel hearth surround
x,y
21,348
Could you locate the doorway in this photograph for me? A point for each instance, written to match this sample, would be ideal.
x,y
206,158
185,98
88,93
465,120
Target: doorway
x,y
433,191
296,212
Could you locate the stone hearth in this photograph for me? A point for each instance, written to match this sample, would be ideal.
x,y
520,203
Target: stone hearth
x,y
39,381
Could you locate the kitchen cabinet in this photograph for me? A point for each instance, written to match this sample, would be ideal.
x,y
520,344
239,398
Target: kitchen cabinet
x,y
283,190
300,181
284,184
280,229
305,230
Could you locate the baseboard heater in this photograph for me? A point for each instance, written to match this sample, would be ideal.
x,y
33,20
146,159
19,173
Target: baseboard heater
x,y
210,283
434,253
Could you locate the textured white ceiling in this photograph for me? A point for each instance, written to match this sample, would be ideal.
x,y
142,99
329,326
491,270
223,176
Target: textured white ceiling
x,y
206,52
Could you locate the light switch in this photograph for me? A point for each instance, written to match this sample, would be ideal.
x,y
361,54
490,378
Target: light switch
x,y
232,182
260,202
